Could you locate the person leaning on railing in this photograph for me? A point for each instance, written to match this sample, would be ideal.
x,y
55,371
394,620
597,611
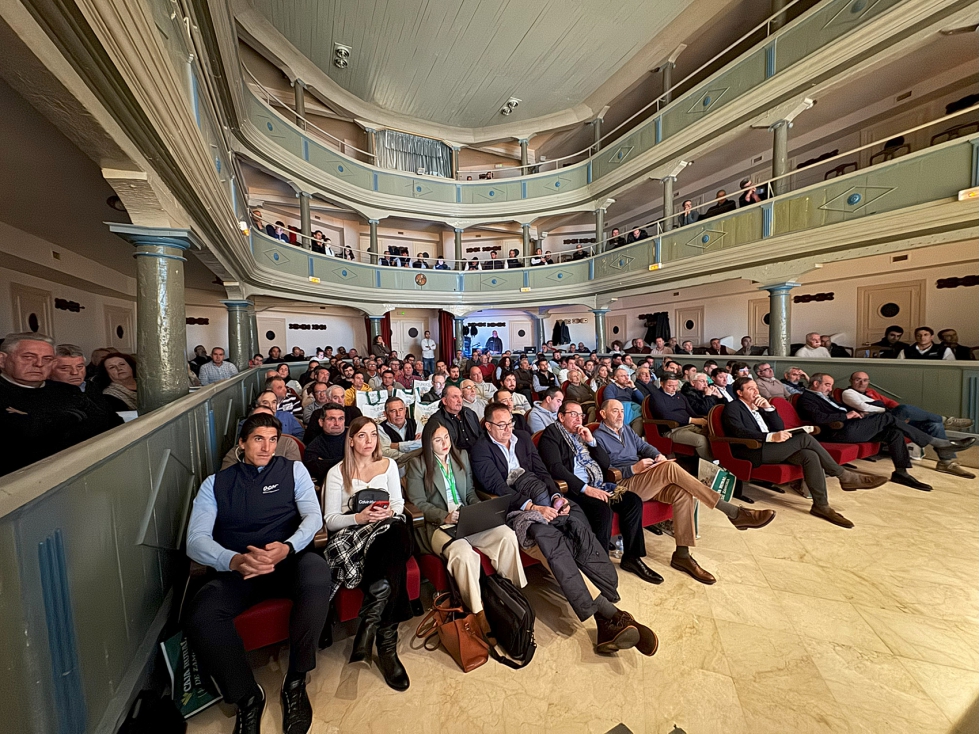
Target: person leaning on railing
x,y
254,524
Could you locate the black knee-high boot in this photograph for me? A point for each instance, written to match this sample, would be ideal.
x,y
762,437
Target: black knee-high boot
x,y
388,663
375,599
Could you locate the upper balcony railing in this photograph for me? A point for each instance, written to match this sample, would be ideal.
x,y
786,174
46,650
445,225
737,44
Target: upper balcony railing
x,y
934,174
788,47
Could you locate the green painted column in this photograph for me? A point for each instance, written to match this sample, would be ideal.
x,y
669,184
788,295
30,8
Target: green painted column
x,y
779,318
525,234
252,332
460,259
779,20
597,131
460,338
376,330
239,333
600,343
373,240
540,330
161,315
668,82
300,88
780,156
524,156
668,202
455,161
305,222
599,231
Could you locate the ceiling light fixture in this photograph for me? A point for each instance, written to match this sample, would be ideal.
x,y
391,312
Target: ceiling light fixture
x,y
341,55
510,106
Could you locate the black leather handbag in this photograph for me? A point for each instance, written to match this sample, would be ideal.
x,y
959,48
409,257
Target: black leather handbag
x,y
365,498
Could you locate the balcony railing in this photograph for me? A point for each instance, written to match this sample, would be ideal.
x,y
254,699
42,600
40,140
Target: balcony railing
x,y
930,175
774,55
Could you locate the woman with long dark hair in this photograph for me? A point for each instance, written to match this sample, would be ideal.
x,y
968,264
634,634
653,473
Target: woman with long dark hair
x,y
504,366
439,482
370,548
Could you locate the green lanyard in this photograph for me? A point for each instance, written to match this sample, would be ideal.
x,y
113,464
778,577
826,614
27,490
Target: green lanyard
x,y
450,482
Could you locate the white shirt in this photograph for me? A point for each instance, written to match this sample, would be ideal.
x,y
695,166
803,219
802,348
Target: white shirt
x,y
520,403
336,499
949,354
509,453
859,401
428,348
813,352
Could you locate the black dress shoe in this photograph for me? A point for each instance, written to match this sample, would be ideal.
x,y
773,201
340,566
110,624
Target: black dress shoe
x,y
636,566
960,444
297,713
908,481
249,718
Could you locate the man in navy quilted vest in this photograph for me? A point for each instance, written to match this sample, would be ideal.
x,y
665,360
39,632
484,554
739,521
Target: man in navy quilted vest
x,y
254,523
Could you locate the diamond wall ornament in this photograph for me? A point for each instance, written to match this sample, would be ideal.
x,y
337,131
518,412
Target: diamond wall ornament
x,y
420,189
344,273
856,198
619,155
706,239
707,100
276,257
559,276
561,182
496,193
494,281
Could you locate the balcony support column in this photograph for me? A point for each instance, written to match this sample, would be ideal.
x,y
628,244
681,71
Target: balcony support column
x,y
252,332
779,20
460,260
599,231
239,333
597,131
525,233
300,89
667,70
161,315
600,343
372,248
305,222
524,156
668,203
780,157
460,337
454,161
779,318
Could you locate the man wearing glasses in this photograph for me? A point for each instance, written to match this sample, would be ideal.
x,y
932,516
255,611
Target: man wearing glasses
x,y
555,531
571,453
770,387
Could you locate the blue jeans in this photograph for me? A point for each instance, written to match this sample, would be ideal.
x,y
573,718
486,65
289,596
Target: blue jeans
x,y
429,365
930,423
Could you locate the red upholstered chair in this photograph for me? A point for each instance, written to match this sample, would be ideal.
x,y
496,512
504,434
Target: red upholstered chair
x,y
652,424
720,446
864,450
841,452
564,386
599,397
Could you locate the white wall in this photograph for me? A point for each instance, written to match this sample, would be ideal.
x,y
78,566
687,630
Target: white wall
x,y
85,328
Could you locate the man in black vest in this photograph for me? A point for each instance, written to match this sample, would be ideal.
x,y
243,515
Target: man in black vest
x,y
925,347
254,523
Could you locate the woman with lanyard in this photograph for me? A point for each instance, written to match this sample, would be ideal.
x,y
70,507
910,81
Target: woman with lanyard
x,y
439,482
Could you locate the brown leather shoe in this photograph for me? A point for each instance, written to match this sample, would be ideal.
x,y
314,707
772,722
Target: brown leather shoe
x,y
828,513
689,566
854,480
953,467
752,518
648,641
618,633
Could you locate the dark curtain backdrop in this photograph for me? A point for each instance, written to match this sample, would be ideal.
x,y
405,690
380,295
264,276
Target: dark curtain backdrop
x,y
447,348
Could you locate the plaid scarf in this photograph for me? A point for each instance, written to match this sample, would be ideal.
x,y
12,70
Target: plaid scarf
x,y
347,549
583,457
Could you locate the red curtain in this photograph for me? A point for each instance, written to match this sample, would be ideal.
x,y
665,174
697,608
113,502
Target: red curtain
x,y
447,347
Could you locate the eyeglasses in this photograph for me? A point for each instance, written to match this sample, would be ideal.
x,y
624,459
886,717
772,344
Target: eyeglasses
x,y
574,413
501,426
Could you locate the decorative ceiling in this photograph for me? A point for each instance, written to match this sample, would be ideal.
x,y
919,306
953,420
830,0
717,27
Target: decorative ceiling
x,y
457,62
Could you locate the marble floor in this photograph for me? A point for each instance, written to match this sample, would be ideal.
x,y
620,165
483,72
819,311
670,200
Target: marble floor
x,y
810,628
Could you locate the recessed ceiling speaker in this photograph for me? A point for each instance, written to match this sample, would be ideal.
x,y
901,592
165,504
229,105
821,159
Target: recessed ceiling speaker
x,y
341,55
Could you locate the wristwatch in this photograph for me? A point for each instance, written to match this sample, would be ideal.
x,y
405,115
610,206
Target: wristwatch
x,y
292,551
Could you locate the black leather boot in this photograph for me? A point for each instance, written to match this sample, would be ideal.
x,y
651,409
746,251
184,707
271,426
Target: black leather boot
x,y
375,599
390,666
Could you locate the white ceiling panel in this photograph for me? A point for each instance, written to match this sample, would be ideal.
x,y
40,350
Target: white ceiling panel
x,y
456,62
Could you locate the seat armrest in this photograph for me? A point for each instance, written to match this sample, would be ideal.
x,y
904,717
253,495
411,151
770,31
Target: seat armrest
x,y
197,570
319,540
816,430
562,485
748,442
483,496
658,422
613,475
417,516
836,425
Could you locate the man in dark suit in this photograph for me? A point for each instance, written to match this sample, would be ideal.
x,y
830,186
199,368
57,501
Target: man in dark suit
x,y
461,422
572,454
816,405
752,417
505,463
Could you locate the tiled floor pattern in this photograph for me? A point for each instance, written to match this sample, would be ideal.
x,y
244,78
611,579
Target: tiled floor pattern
x,y
810,628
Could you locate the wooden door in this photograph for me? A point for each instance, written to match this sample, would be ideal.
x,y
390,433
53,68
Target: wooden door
x,y
521,335
758,309
119,330
615,328
880,306
33,309
407,335
689,325
272,333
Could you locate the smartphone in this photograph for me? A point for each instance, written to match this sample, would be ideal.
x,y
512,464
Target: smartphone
x,y
382,505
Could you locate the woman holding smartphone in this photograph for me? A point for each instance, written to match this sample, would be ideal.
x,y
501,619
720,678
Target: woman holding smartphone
x,y
439,483
369,548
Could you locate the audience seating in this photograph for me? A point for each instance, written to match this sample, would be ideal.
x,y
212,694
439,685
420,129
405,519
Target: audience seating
x,y
864,450
720,446
842,453
651,427
599,397
301,445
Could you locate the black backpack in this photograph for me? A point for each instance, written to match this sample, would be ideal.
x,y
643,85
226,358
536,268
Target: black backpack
x,y
511,619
